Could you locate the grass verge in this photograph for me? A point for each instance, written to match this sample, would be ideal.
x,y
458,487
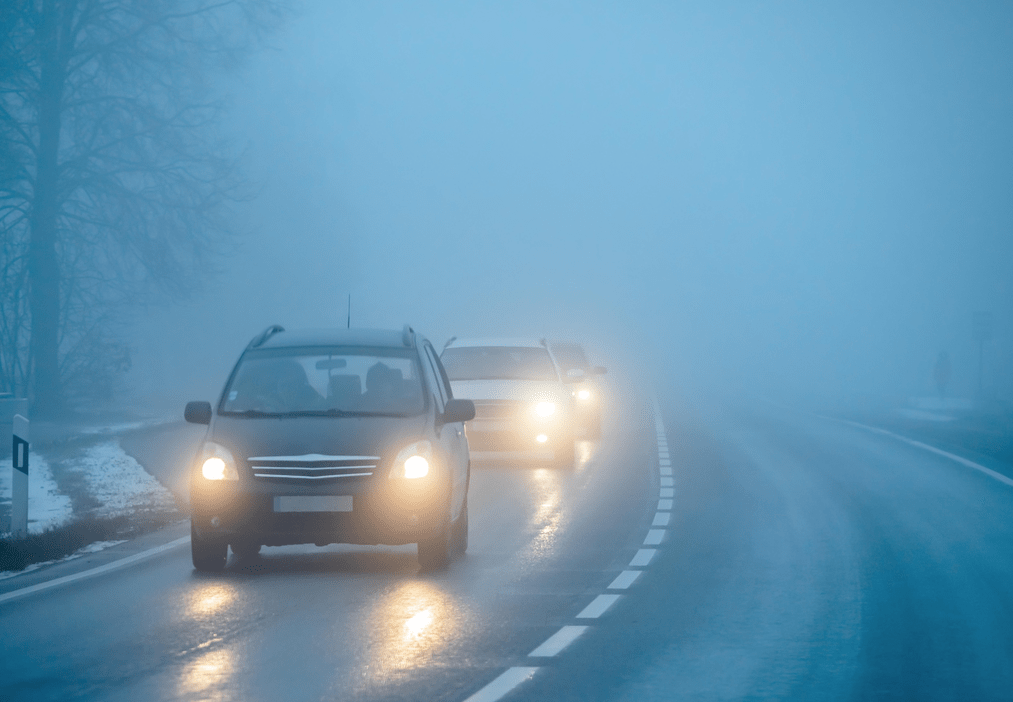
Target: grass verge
x,y
64,540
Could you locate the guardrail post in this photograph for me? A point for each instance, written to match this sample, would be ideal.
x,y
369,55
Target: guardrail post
x,y
19,481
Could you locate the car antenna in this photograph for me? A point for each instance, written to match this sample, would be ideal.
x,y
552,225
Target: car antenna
x,y
349,311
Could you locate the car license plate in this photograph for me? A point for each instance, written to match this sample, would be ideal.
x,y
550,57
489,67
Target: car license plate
x,y
313,503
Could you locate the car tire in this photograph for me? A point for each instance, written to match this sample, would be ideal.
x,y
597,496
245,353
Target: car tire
x,y
245,549
459,531
434,553
208,555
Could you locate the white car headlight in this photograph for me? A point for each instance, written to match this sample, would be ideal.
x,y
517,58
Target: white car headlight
x,y
545,409
584,394
413,461
217,462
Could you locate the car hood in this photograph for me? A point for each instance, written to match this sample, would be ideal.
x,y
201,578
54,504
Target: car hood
x,y
509,390
328,436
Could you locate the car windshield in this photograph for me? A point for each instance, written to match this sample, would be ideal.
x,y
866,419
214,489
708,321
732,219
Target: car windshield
x,y
325,381
569,356
498,363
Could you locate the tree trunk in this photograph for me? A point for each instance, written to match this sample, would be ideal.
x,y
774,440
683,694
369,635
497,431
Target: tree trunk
x,y
43,265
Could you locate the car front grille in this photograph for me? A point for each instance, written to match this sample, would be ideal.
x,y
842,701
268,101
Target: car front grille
x,y
312,467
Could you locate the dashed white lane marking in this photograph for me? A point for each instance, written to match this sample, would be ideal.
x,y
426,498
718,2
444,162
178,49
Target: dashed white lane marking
x,y
654,537
108,567
598,606
661,518
507,681
959,459
666,492
667,482
643,557
625,579
665,470
558,641
664,504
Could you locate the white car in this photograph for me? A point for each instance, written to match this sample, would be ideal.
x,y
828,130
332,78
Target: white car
x,y
523,401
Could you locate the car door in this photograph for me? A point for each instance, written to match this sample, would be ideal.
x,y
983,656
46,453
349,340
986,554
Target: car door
x,y
451,436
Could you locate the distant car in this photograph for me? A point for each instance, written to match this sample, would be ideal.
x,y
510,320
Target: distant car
x,y
337,436
523,401
587,395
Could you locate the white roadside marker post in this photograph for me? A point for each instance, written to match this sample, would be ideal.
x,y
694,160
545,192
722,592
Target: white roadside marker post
x,y
19,483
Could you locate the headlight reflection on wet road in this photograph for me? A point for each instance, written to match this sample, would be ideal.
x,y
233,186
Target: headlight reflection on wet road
x,y
210,599
208,677
408,629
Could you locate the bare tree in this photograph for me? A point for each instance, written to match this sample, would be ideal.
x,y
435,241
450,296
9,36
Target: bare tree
x,y
116,184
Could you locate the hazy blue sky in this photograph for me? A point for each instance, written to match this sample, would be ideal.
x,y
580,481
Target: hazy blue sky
x,y
789,195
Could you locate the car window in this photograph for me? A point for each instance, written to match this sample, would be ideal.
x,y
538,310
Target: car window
x,y
498,362
434,379
444,378
325,380
569,356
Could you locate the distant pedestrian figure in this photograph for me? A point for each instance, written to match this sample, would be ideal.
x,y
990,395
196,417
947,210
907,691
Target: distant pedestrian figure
x,y
942,372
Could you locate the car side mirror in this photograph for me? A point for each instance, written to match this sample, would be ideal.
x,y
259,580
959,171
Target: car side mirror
x,y
197,412
458,411
574,375
599,370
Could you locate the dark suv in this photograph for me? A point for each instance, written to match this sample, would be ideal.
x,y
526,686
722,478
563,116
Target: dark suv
x,y
337,436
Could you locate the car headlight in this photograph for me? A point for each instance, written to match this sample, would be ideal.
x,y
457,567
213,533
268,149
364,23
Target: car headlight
x,y
584,395
217,462
545,409
413,461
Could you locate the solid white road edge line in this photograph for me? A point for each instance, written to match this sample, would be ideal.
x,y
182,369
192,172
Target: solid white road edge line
x,y
598,606
108,567
558,641
507,681
625,579
959,459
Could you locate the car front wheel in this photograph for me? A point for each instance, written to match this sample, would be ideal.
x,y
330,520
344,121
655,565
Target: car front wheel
x,y
208,555
435,551
459,531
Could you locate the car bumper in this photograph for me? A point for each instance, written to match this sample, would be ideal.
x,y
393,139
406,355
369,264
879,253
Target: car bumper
x,y
486,435
394,514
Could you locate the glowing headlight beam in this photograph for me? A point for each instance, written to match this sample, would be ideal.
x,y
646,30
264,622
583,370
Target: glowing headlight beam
x,y
583,394
213,469
416,467
545,409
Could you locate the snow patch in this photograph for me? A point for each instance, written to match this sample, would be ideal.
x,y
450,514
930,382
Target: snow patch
x,y
47,508
119,482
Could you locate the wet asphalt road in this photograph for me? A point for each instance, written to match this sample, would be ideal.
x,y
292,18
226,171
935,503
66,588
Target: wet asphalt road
x,y
803,559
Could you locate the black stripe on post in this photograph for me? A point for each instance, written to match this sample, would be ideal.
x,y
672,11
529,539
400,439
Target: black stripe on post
x,y
20,454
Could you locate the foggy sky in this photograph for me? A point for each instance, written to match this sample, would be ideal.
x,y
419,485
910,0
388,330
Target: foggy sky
x,y
789,197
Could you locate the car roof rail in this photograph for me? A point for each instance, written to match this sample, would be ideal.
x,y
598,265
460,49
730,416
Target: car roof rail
x,y
408,336
265,335
449,342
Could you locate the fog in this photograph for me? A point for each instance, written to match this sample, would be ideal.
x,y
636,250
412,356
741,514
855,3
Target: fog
x,y
791,199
